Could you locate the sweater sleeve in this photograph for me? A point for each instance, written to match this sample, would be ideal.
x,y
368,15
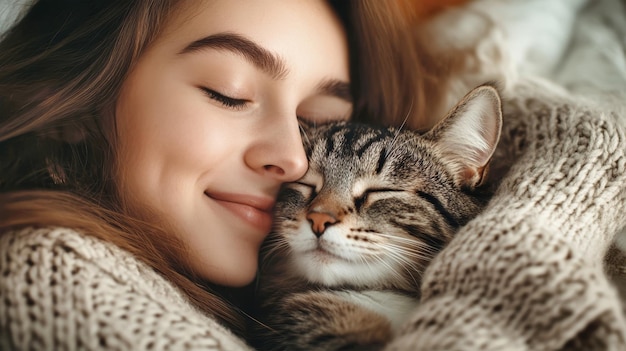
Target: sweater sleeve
x,y
64,291
527,273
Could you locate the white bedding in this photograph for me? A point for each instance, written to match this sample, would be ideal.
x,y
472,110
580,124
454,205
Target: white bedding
x,y
578,44
9,11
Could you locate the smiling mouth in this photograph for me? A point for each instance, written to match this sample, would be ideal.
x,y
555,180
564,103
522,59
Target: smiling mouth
x,y
253,210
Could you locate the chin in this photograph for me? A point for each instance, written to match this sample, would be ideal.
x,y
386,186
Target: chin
x,y
240,283
239,271
335,271
232,279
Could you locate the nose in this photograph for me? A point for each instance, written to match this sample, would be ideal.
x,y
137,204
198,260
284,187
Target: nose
x,y
278,152
320,221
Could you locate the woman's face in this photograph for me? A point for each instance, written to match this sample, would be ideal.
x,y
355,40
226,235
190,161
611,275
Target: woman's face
x,y
208,121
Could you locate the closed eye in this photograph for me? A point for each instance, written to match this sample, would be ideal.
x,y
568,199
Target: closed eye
x,y
359,201
232,103
306,189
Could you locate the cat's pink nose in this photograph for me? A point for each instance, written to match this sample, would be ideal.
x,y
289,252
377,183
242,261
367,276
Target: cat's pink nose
x,y
320,221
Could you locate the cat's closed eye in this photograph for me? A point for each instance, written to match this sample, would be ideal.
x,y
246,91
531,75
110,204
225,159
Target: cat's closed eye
x,y
373,194
307,190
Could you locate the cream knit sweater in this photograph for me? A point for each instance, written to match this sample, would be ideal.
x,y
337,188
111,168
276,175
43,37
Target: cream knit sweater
x,y
61,290
526,274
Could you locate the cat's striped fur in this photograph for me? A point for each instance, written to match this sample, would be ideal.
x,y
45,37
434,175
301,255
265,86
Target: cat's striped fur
x,y
352,238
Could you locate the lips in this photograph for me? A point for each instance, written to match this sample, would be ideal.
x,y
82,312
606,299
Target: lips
x,y
256,211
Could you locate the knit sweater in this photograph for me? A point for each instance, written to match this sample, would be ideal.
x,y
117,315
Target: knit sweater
x,y
62,290
526,274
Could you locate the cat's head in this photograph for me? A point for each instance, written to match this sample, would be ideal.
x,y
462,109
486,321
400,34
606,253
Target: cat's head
x,y
377,204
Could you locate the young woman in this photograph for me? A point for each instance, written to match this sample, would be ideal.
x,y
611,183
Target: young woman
x,y
143,144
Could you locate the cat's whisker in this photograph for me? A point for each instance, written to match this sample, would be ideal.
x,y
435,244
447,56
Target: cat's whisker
x,y
411,241
408,255
412,244
408,260
396,237
398,130
257,321
305,136
390,269
410,267
398,254
274,252
412,271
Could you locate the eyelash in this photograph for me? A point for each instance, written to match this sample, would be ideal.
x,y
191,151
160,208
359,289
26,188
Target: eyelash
x,y
239,104
235,104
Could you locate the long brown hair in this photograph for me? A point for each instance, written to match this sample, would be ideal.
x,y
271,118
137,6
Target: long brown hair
x,y
395,78
61,68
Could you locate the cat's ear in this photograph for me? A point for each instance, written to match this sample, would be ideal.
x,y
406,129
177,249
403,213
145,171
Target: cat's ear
x,y
468,135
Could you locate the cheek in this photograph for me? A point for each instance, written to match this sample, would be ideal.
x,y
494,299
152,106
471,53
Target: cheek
x,y
158,142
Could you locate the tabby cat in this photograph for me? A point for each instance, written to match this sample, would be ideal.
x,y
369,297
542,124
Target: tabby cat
x,y
342,269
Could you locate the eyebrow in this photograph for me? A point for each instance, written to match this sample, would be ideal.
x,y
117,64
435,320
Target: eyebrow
x,y
251,51
262,58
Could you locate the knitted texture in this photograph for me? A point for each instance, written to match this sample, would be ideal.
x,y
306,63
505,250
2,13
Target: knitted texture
x,y
61,290
527,274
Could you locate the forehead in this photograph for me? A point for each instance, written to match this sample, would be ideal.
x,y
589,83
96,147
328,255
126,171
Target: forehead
x,y
293,30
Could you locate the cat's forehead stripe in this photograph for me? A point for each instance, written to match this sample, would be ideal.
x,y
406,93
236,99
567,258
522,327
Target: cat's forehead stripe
x,y
337,137
367,143
330,140
382,157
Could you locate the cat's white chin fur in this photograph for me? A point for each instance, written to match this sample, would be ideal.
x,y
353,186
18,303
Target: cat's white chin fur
x,y
334,271
333,267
